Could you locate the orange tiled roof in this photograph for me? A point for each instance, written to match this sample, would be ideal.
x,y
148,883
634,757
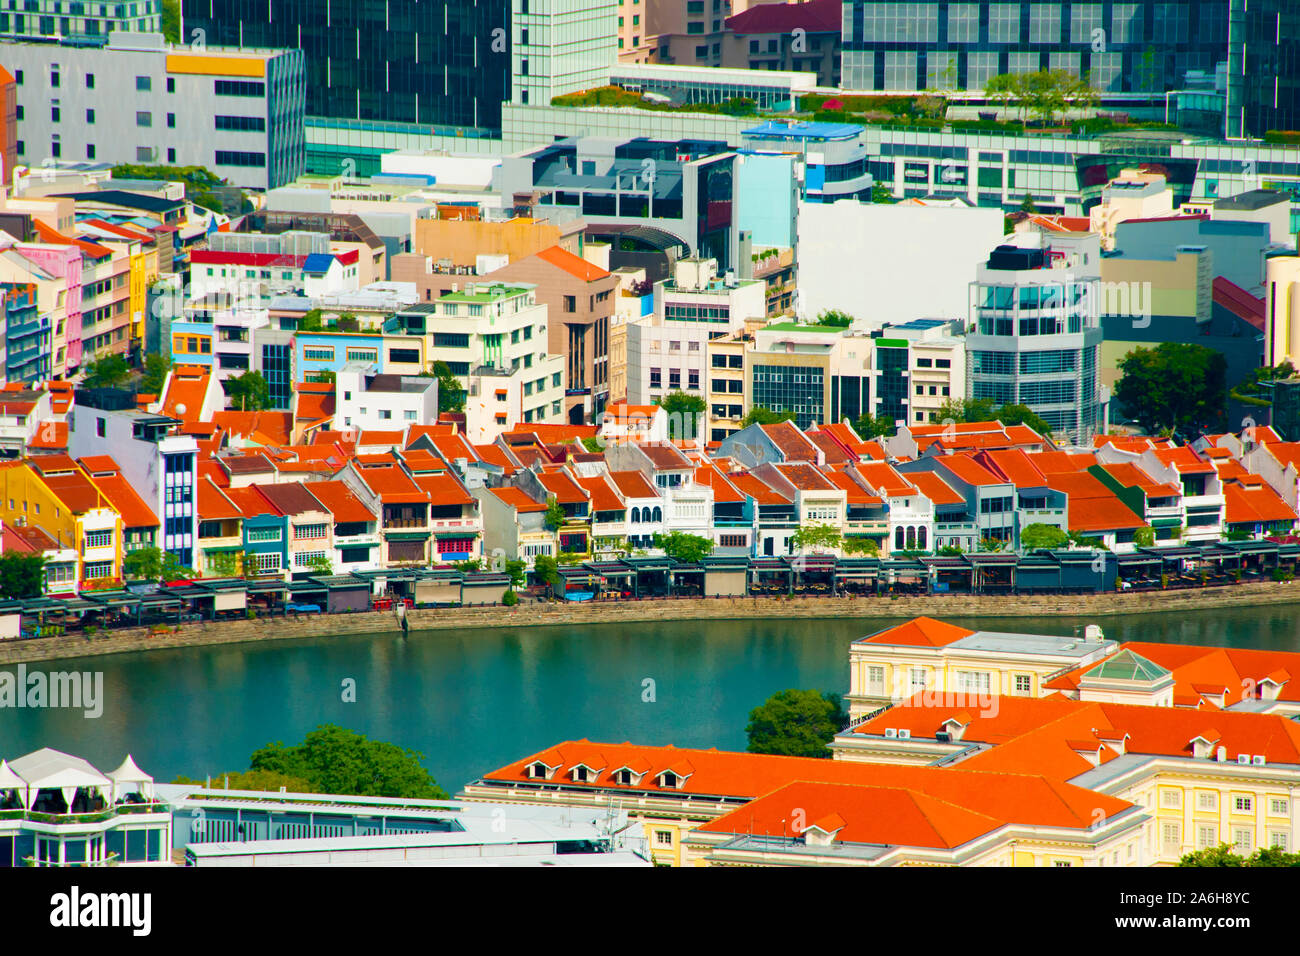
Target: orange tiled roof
x,y
935,488
603,495
516,498
340,501
919,632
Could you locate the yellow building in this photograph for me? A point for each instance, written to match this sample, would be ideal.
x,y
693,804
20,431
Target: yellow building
x,y
929,655
1201,777
52,493
710,807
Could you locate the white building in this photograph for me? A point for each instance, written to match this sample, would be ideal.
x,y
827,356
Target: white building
x,y
158,461
668,351
366,401
891,263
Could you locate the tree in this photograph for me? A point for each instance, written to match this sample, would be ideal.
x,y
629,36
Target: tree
x,y
684,548
1253,391
517,570
312,321
1144,537
758,415
335,760
1048,536
593,444
510,598
821,536
1014,414
880,193
22,575
1175,386
796,723
1003,88
143,564
156,368
451,393
1225,855
860,545
963,410
249,392
347,322
108,371
171,20
875,426
835,318
1028,204
320,564
992,544
468,567
555,516
546,570
683,411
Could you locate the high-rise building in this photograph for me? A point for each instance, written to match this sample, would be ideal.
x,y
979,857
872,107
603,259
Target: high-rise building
x,y
55,18
1263,67
1036,330
137,99
560,46
378,70
1134,46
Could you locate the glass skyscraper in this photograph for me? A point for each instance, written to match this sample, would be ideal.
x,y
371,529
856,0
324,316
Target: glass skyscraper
x,y
429,63
1263,67
1129,46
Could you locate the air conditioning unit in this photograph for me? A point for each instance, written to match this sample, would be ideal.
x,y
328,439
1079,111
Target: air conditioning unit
x,y
1243,758
904,734
890,732
1258,760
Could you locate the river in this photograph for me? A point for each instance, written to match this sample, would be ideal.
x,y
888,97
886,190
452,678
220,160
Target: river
x,y
471,701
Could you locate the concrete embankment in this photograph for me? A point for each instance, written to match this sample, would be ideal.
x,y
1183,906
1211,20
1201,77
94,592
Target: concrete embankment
x,y
687,609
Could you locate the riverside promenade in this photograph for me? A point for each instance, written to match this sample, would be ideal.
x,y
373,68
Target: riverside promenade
x,y
553,613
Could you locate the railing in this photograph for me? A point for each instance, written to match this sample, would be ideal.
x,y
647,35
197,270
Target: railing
x,y
419,523
468,524
95,816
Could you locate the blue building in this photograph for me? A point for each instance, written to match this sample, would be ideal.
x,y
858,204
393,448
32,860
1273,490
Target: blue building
x,y
266,532
834,156
316,352
26,334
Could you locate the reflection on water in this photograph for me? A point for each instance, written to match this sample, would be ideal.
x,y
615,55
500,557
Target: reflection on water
x,y
474,700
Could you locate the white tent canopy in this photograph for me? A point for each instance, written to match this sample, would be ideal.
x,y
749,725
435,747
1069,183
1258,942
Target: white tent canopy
x,y
126,775
49,769
10,780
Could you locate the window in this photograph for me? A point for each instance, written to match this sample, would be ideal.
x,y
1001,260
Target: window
x,y
171,84
239,88
90,116
1022,683
570,303
98,569
1206,837
99,539
1171,837
1171,799
144,83
663,838
305,559
1207,801
1243,804
1277,806
973,682
1279,839
875,681
233,158
171,120
310,531
263,535
143,118
242,124
267,563
1242,839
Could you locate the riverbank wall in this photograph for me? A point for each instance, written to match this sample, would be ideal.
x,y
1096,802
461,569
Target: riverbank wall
x,y
685,609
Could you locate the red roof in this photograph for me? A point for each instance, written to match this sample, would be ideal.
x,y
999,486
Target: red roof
x,y
1093,506
633,484
1239,302
814,16
603,495
214,504
516,498
935,488
559,484
340,501
575,266
126,501
919,632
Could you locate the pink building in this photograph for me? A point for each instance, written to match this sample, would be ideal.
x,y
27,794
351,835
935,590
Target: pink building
x,y
62,260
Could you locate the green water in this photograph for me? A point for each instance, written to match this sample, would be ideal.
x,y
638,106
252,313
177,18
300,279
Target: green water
x,y
474,700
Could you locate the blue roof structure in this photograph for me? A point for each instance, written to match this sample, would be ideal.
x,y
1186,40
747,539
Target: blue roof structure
x,y
776,129
318,263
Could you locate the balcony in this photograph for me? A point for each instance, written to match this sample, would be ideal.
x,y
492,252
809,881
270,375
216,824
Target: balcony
x,y
356,540
454,524
412,524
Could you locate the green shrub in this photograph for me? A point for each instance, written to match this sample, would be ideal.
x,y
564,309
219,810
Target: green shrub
x,y
510,598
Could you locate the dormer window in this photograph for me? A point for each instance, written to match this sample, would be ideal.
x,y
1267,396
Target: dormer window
x,y
626,777
539,771
670,780
584,774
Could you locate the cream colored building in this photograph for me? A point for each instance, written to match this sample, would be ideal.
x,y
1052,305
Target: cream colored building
x,y
940,658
